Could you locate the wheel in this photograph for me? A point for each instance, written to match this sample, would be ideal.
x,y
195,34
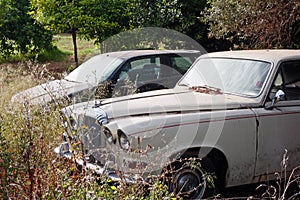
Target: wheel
x,y
190,183
191,178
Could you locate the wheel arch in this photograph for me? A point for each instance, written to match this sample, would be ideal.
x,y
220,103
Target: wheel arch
x,y
215,155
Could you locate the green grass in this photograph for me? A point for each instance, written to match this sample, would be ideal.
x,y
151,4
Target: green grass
x,y
65,43
63,51
55,54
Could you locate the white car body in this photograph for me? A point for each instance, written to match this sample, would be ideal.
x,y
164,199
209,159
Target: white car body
x,y
242,134
105,72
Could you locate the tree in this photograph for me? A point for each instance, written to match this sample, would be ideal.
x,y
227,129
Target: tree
x,y
92,19
179,15
19,32
255,24
3,11
59,16
105,18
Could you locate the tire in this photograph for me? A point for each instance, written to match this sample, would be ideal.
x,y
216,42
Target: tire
x,y
191,178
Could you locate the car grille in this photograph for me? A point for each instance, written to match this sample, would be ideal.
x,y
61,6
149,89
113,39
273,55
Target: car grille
x,y
90,133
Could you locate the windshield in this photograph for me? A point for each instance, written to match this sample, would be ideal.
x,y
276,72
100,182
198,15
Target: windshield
x,y
95,70
237,76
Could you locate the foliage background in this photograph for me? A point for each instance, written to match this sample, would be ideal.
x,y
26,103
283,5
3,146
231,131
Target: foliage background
x,y
27,26
255,24
19,32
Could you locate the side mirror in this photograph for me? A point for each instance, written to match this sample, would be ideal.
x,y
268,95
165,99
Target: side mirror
x,y
278,97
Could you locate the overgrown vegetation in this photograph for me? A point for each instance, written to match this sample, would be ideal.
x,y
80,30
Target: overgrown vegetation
x,y
29,168
286,187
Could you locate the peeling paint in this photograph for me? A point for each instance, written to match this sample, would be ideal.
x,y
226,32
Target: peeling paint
x,y
206,89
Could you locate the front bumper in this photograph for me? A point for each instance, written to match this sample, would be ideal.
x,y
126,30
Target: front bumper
x,y
64,151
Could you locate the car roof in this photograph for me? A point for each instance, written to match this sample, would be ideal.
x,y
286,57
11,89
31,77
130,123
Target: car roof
x,y
269,55
134,53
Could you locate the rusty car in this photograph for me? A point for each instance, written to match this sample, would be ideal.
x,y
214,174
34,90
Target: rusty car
x,y
233,115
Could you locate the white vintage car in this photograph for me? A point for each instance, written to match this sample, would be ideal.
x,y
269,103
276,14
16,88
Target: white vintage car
x,y
107,72
232,115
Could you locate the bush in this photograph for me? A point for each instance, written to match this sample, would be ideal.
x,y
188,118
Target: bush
x,y
19,32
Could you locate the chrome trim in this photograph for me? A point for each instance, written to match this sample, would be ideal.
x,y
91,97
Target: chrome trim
x,y
63,150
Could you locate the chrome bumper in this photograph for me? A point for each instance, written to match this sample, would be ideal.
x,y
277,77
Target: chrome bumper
x,y
63,150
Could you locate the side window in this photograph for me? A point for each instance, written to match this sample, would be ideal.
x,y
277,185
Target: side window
x,y
174,67
140,70
277,85
181,64
288,80
291,79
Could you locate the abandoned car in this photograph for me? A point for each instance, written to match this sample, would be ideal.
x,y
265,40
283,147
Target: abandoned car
x,y
110,74
233,115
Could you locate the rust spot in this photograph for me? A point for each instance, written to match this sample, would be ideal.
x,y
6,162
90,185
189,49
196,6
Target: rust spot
x,y
206,89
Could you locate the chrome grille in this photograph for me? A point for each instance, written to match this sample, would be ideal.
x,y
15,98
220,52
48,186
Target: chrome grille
x,y
90,133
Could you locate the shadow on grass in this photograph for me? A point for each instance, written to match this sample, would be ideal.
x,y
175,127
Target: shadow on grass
x,y
54,54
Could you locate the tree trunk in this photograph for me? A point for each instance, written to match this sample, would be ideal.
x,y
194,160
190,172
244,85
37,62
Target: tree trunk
x,y
101,47
75,46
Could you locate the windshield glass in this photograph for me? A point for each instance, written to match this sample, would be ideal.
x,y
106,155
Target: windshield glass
x,y
95,70
237,76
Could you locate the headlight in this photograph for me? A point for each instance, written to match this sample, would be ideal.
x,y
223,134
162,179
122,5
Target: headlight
x,y
123,140
108,135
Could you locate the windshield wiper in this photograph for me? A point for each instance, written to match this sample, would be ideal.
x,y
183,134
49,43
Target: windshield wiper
x,y
206,89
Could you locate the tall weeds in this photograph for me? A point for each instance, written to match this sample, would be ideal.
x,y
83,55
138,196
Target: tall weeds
x,y
29,167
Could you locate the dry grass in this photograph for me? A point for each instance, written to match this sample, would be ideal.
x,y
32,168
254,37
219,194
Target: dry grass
x,y
12,80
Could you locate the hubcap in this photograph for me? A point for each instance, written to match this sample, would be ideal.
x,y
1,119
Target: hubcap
x,y
189,182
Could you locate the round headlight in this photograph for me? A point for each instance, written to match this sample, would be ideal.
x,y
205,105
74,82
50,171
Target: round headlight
x,y
108,135
123,141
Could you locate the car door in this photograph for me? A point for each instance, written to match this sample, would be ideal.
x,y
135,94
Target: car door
x,y
279,127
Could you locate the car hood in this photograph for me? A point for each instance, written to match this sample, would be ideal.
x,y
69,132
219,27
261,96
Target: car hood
x,y
164,101
47,92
